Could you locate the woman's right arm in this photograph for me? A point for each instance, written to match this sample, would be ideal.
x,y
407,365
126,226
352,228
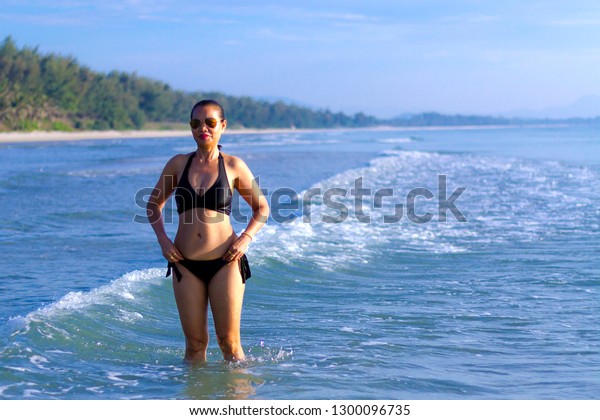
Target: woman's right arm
x,y
166,185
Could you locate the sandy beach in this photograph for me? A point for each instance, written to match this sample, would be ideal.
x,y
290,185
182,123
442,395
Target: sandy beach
x,y
54,136
59,136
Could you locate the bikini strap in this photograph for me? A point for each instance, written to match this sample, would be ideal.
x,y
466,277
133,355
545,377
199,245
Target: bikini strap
x,y
222,169
187,165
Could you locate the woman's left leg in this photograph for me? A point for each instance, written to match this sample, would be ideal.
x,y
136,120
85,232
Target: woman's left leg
x,y
226,295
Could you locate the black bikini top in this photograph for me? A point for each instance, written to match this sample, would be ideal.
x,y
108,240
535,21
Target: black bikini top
x,y
218,197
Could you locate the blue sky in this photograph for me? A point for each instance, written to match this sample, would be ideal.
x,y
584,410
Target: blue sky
x,y
381,57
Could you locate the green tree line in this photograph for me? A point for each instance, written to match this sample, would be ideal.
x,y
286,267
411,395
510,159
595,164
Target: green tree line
x,y
53,92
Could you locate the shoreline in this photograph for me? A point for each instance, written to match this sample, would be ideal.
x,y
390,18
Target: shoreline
x,y
62,136
18,137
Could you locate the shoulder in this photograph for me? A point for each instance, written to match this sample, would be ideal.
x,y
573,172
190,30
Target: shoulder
x,y
237,169
233,162
176,163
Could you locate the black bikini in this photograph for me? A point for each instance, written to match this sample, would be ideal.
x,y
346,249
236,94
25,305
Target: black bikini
x,y
205,270
218,198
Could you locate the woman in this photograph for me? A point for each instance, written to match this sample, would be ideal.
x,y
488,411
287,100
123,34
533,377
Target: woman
x,y
207,257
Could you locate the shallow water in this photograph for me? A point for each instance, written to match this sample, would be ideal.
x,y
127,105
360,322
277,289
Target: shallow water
x,y
504,305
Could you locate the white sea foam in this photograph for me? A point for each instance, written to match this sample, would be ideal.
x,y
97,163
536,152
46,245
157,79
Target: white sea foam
x,y
129,316
397,140
331,245
17,368
31,393
116,172
38,361
374,343
285,142
506,199
55,351
263,355
119,379
125,288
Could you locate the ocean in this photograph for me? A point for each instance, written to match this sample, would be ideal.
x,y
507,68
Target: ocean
x,y
397,264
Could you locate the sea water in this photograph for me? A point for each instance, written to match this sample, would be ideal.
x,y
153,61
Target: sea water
x,y
495,295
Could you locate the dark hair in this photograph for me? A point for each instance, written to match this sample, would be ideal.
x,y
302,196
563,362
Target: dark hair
x,y
208,102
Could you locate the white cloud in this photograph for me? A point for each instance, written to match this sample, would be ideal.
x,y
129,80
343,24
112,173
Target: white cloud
x,y
279,36
471,18
331,17
576,22
50,19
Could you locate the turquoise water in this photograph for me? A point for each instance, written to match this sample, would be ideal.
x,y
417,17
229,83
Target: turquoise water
x,y
504,305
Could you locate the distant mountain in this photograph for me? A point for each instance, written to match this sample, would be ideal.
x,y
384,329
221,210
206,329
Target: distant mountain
x,y
584,107
431,119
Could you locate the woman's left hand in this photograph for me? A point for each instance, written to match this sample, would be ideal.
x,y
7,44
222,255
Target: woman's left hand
x,y
237,249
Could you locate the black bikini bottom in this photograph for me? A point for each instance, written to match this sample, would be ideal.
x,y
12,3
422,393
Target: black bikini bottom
x,y
205,270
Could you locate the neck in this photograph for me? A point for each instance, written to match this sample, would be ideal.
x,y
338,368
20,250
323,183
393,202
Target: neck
x,y
206,154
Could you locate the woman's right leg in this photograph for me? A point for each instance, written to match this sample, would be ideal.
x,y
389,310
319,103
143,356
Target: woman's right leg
x,y
226,292
191,295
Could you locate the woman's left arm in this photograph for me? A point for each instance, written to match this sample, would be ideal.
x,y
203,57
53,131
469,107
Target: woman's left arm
x,y
250,191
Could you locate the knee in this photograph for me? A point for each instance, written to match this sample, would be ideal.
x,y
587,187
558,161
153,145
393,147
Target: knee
x,y
196,345
230,345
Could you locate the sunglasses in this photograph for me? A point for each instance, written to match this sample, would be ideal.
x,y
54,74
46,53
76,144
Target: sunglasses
x,y
210,122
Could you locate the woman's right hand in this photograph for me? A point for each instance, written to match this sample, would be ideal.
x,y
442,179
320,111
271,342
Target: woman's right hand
x,y
170,251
